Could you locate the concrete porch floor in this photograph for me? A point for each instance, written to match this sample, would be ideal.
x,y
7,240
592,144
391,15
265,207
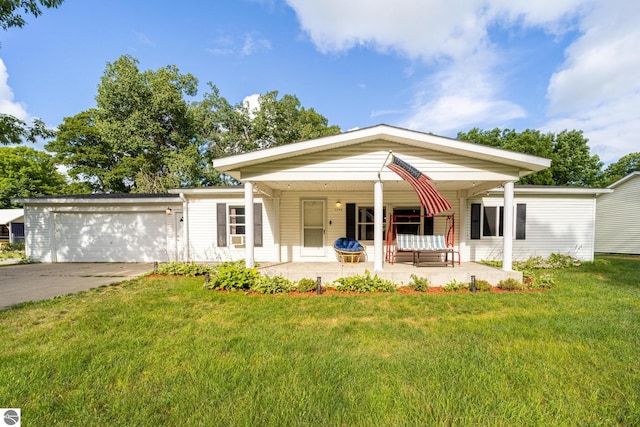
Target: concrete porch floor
x,y
399,273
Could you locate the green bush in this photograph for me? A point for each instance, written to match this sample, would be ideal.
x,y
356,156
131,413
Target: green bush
x,y
307,285
365,283
184,269
419,284
272,285
511,284
554,261
454,286
483,285
233,275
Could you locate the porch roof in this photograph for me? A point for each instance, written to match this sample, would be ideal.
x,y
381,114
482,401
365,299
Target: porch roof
x,y
314,165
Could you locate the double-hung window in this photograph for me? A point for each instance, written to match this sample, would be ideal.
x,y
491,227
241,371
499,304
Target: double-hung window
x,y
236,221
488,221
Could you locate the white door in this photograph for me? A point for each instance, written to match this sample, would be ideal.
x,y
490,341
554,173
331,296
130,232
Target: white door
x,y
313,214
110,237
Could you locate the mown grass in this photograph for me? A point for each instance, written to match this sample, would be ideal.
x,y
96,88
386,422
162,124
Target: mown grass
x,y
164,351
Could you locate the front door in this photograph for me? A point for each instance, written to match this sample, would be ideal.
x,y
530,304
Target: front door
x,y
313,214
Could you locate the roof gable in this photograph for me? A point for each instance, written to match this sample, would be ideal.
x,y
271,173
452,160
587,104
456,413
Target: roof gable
x,y
437,144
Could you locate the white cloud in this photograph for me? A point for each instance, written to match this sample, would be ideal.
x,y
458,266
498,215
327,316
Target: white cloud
x,y
596,88
144,40
460,96
7,103
253,44
248,44
252,104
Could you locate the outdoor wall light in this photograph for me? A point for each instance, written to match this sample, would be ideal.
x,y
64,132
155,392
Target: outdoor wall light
x,y
338,204
169,211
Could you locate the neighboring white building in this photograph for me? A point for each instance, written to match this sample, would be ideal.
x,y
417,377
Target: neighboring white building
x,y
12,225
297,199
618,217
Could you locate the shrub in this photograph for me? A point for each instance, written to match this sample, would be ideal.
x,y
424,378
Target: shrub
x,y
483,285
364,283
272,285
233,275
307,285
537,262
183,269
454,286
511,284
420,284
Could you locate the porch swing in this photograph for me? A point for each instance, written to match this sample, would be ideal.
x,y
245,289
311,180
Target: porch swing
x,y
438,249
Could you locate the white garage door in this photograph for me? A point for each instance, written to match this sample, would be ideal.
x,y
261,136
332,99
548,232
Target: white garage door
x,y
111,237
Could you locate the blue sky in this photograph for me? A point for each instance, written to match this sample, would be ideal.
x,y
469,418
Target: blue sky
x,y
436,66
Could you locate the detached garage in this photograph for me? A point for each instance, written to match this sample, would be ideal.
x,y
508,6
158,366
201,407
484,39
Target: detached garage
x,y
104,228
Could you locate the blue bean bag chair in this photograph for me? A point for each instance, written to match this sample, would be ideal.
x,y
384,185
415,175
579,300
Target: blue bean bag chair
x,y
348,250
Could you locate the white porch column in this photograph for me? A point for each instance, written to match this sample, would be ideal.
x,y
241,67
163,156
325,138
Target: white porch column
x,y
249,237
378,224
507,232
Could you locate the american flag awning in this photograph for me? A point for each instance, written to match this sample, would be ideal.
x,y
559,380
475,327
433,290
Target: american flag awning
x,y
432,201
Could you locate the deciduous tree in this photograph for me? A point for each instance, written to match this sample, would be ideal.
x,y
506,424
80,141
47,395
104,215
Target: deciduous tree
x,y
26,172
571,162
627,164
11,11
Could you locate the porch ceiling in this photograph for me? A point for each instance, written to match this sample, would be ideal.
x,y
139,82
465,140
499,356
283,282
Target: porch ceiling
x,y
389,185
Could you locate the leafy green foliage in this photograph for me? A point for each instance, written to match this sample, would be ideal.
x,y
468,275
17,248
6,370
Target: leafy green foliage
x,y
26,172
184,269
272,285
454,286
233,276
143,136
571,161
623,167
10,12
511,284
16,131
365,283
483,285
307,285
420,284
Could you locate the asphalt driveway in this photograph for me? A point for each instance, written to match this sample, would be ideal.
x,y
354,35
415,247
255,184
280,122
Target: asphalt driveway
x,y
32,282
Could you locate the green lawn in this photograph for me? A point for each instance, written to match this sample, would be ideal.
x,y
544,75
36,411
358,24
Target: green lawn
x,y
164,351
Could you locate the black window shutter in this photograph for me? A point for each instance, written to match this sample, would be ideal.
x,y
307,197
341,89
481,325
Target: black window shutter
x,y
475,221
351,221
501,222
257,224
428,226
521,221
221,218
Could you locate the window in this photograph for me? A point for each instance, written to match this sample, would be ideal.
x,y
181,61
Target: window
x,y
236,220
492,224
364,223
407,220
231,221
488,221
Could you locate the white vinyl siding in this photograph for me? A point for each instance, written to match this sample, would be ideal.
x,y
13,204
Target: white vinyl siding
x,y
103,233
618,218
555,224
364,161
290,218
203,235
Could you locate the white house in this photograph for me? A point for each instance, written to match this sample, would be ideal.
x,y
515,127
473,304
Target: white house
x,y
297,199
12,225
618,217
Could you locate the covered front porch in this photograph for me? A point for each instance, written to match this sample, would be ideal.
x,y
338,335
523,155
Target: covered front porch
x,y
399,273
